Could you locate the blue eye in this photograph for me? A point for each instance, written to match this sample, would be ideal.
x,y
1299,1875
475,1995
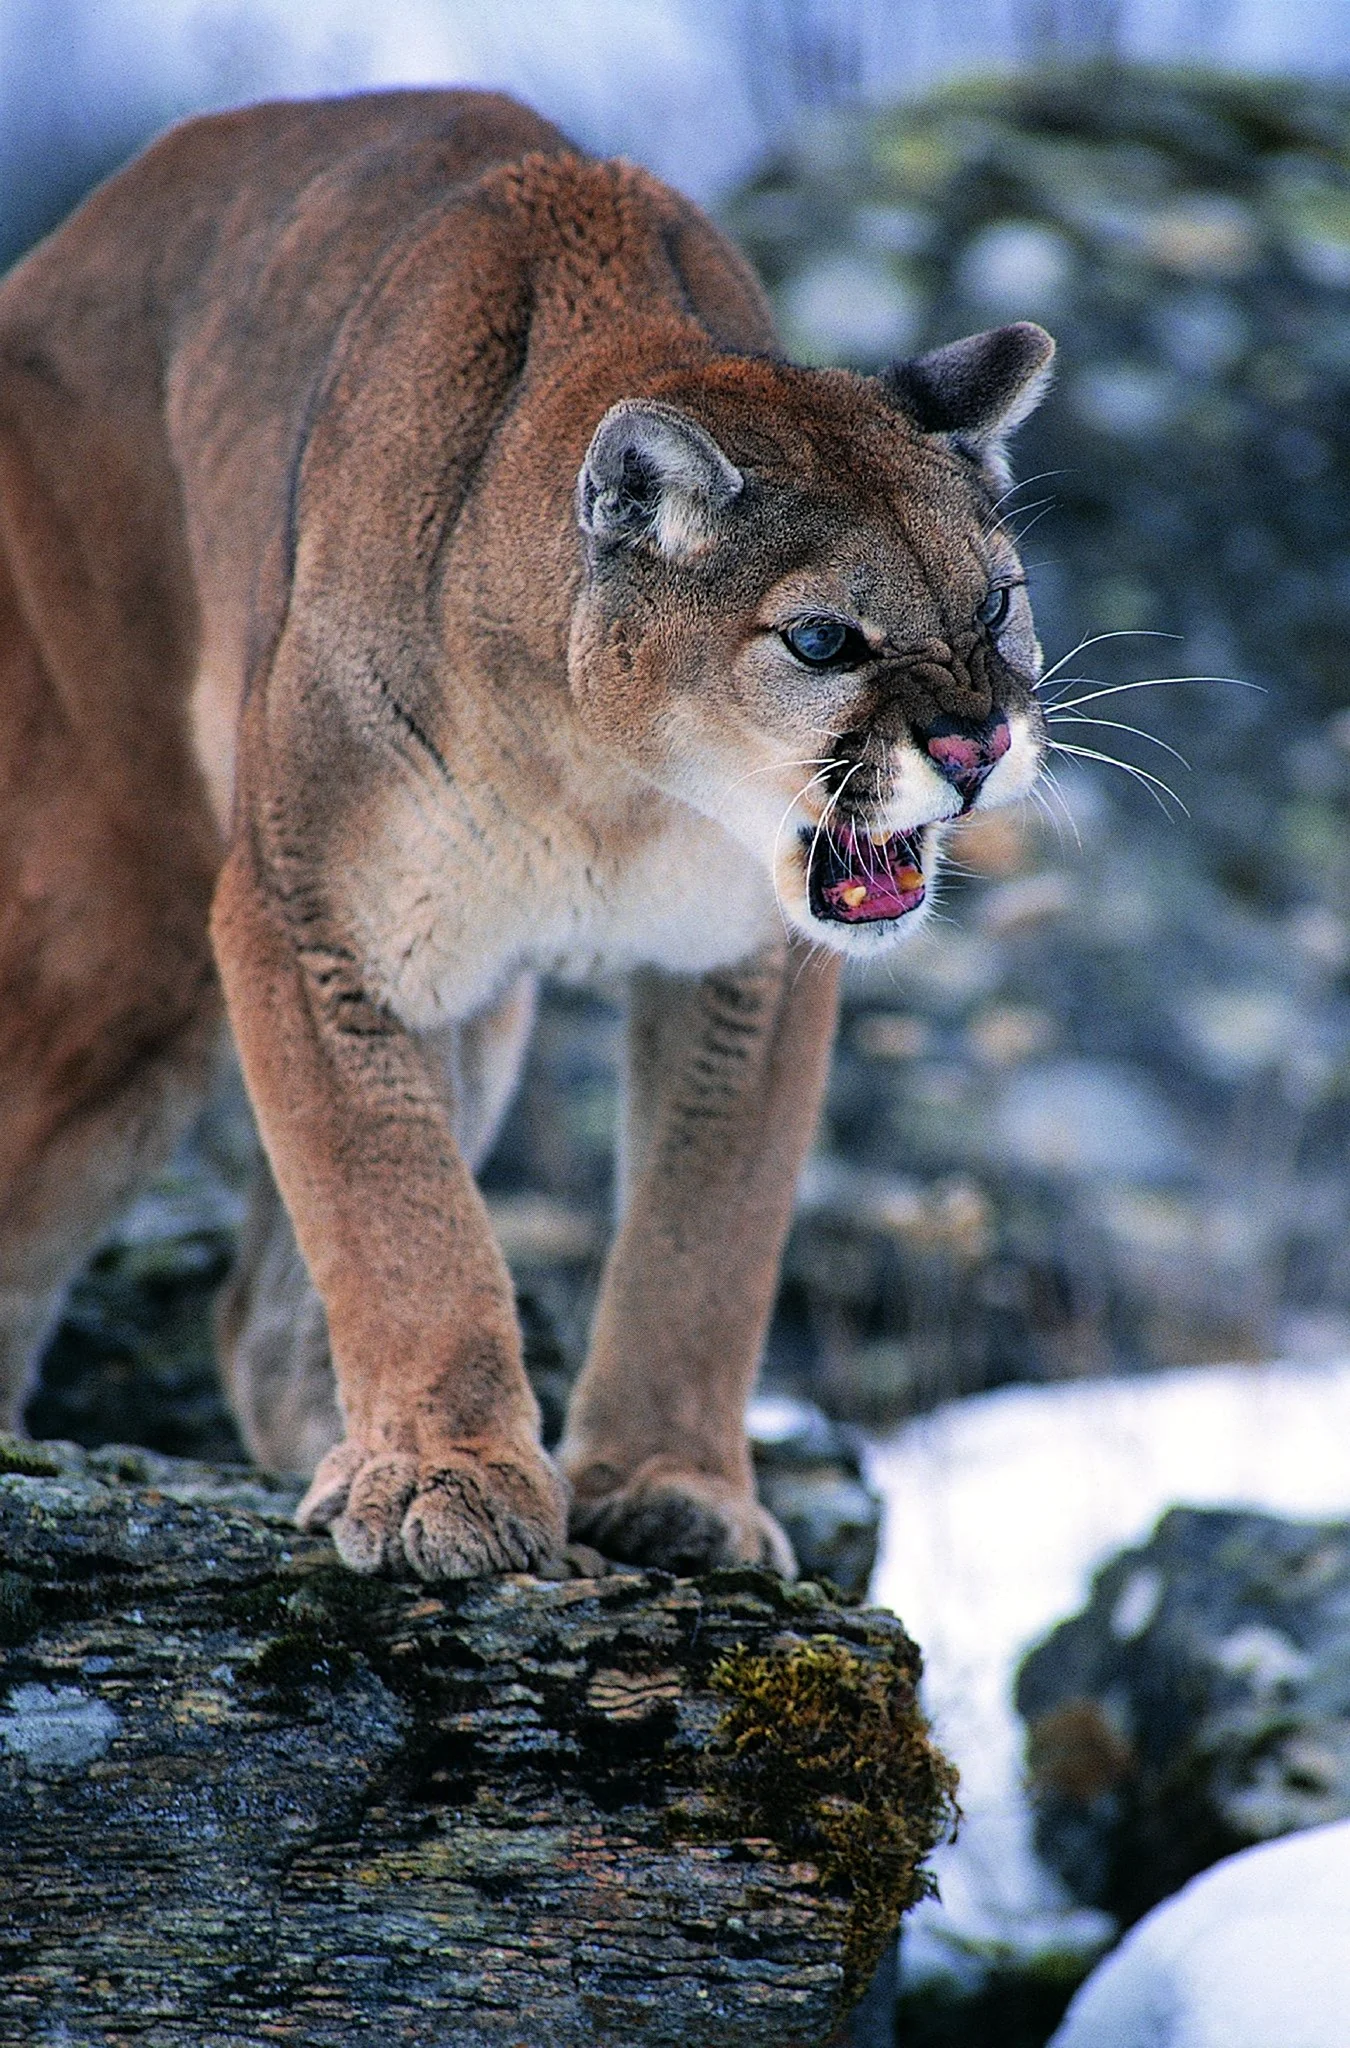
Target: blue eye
x,y
822,642
992,609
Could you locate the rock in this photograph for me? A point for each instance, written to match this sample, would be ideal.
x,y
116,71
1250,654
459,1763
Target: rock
x,y
538,1230
998,1510
868,1248
1254,1952
1199,1704
1088,1117
1016,269
1013,2003
245,1793
810,1475
1026,901
133,1360
1005,1034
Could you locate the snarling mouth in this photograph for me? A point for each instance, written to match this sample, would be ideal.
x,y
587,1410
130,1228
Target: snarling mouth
x,y
854,878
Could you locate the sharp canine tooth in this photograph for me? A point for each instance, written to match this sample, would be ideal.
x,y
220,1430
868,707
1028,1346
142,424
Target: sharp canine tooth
x,y
878,834
854,896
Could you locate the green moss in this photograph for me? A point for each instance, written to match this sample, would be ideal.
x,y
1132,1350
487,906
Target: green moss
x,y
827,1753
256,1610
323,1596
294,1663
319,1625
29,1460
346,1598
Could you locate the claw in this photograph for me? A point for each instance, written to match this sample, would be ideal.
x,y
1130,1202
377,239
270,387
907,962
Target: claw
x,y
683,1522
327,1493
462,1514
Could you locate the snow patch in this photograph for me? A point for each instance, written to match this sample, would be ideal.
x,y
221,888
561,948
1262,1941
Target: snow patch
x,y
998,1511
1254,1952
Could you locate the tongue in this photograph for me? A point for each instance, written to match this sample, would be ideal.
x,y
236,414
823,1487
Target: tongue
x,y
868,881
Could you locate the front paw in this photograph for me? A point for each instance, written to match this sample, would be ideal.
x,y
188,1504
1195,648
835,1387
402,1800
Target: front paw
x,y
478,1507
680,1520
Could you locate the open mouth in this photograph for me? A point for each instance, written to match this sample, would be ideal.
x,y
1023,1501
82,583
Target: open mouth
x,y
854,878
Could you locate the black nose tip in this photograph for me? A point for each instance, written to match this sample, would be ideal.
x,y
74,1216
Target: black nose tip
x,y
968,757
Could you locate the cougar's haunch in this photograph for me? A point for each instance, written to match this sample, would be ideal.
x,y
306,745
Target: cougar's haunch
x,y
411,540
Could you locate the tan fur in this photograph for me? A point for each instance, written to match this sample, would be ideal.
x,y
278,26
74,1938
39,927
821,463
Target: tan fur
x,y
302,600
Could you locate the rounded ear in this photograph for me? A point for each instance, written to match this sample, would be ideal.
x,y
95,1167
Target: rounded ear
x,y
978,389
653,474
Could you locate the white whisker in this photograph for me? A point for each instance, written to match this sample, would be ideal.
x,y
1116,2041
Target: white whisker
x,y
1052,782
773,767
1065,715
870,853
1012,490
814,951
1042,803
824,821
1147,683
1153,783
936,916
1122,633
1047,506
819,776
825,814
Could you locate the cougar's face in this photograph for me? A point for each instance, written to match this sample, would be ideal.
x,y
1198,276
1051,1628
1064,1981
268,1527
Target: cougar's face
x,y
827,644
893,683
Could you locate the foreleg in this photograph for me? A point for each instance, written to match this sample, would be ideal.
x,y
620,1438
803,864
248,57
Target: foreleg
x,y
725,1080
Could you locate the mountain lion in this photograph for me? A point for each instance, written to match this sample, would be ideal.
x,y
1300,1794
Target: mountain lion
x,y
420,570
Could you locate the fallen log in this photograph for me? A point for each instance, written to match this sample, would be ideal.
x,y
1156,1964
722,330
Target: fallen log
x,y
247,1797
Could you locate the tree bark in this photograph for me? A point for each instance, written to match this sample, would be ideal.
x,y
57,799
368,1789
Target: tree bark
x,y
247,1797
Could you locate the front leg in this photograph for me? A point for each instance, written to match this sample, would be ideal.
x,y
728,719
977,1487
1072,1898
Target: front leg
x,y
725,1080
441,1468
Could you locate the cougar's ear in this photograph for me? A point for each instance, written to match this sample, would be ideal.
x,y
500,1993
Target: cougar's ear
x,y
653,475
978,389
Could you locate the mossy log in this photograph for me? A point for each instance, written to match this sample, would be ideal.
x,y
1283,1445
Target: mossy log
x,y
246,1797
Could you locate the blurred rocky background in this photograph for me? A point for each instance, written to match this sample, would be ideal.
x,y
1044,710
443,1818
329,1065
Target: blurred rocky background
x,y
1120,1081
1199,1704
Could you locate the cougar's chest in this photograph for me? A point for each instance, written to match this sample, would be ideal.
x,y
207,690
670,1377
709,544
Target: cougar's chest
x,y
445,907
684,898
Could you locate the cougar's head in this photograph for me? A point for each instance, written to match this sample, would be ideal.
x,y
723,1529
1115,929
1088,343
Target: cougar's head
x,y
803,614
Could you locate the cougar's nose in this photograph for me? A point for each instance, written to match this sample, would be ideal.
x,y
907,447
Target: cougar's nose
x,y
966,754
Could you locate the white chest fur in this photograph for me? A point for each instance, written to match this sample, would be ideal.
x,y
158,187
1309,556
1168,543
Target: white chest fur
x,y
445,909
687,899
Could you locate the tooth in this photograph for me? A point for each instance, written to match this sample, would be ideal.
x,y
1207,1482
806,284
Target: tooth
x,y
878,834
854,896
907,878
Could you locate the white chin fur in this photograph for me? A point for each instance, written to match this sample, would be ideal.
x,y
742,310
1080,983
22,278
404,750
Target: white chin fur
x,y
858,941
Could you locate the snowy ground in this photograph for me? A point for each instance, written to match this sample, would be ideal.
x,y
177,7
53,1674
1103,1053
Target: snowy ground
x,y
1254,1952
998,1511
